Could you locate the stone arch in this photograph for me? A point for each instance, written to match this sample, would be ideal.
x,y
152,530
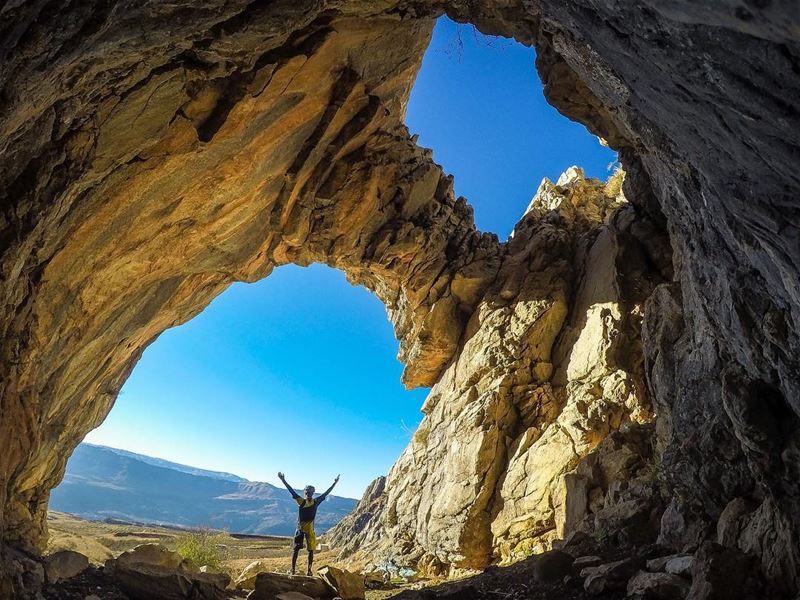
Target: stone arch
x,y
154,154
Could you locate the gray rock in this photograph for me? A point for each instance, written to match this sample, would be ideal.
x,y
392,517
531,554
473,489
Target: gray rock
x,y
680,565
659,564
657,586
610,576
721,573
64,565
586,561
729,522
152,572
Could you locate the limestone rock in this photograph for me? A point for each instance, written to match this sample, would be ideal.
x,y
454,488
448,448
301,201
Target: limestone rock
x,y
680,565
583,562
729,523
657,586
219,580
609,576
720,573
64,565
247,578
348,586
152,572
269,585
361,528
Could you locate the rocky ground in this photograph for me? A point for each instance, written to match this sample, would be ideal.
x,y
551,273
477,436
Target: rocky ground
x,y
583,567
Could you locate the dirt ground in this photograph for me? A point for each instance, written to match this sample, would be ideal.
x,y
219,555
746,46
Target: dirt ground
x,y
100,541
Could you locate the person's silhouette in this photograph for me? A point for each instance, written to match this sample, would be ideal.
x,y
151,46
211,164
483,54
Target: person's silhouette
x,y
305,520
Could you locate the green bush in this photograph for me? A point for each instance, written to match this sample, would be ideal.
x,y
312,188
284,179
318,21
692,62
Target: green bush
x,y
202,548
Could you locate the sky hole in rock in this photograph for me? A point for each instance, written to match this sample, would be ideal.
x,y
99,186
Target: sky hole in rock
x,y
297,372
478,104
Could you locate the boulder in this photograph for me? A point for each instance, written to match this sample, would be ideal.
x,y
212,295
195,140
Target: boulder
x,y
657,586
656,565
610,576
721,573
64,565
247,578
375,579
583,562
552,565
348,586
210,575
269,585
680,565
152,572
729,523
677,564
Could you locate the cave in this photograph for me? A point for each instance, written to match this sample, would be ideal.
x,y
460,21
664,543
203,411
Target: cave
x,y
153,154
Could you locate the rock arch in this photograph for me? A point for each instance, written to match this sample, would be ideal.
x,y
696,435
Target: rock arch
x,y
152,154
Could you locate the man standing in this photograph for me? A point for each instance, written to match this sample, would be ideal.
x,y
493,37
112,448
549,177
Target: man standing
x,y
305,520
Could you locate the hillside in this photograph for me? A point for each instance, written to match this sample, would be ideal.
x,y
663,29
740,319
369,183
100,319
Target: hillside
x,y
106,483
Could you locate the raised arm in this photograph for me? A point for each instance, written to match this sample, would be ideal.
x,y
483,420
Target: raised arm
x,y
329,490
290,488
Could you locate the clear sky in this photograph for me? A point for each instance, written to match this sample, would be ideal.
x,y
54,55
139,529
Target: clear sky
x,y
298,371
478,103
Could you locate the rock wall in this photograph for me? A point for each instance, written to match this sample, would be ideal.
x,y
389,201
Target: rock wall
x,y
550,364
153,153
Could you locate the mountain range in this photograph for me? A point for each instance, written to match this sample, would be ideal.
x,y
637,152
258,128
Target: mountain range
x,y
103,483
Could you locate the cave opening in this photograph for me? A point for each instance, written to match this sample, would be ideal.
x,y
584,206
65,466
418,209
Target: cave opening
x,y
478,102
295,373
143,178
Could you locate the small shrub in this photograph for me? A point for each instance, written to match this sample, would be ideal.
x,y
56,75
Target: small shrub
x,y
202,548
421,435
601,535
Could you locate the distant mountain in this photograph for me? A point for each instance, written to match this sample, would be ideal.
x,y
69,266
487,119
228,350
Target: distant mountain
x,y
106,483
160,462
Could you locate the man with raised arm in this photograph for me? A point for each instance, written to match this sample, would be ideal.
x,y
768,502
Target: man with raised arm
x,y
305,520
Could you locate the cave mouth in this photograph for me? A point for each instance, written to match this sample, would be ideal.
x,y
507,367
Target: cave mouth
x,y
223,362
478,102
137,195
294,373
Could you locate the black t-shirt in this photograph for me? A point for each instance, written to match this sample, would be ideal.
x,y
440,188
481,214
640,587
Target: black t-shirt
x,y
308,508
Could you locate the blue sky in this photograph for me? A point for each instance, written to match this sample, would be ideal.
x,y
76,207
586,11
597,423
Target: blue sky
x,y
479,105
298,372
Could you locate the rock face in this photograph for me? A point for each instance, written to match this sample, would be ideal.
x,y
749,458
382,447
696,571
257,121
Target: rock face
x,y
544,374
152,572
348,586
154,153
63,565
271,585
